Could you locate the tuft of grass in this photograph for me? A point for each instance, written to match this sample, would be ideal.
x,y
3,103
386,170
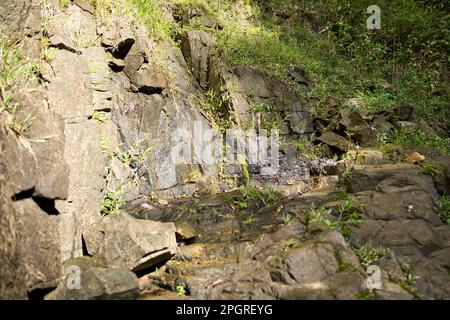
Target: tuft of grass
x,y
269,115
181,290
100,116
431,168
15,72
287,217
291,243
111,202
214,105
64,4
369,255
253,195
306,147
134,158
412,138
408,277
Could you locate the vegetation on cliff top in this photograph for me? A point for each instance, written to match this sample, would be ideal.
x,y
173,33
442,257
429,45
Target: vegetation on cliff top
x,y
406,61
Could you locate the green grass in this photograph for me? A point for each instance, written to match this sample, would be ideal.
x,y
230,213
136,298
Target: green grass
x,y
270,115
150,12
412,138
431,168
307,148
16,71
444,209
180,289
111,202
404,62
214,105
253,195
369,255
100,116
408,278
135,157
64,3
290,244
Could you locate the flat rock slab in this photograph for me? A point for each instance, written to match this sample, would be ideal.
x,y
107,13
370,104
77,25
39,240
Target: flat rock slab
x,y
126,242
90,279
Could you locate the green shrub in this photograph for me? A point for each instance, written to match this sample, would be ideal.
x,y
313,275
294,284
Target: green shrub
x,y
16,71
431,168
64,3
253,195
404,62
369,255
444,209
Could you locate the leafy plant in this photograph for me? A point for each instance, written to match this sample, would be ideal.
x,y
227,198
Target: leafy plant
x,y
319,215
287,217
444,209
290,243
133,158
409,278
259,197
15,72
181,291
341,193
249,220
349,212
369,255
215,107
112,202
430,167
100,116
104,144
345,176
64,3
306,147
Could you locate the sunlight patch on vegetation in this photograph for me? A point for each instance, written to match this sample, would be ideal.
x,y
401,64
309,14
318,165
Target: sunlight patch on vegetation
x,y
15,72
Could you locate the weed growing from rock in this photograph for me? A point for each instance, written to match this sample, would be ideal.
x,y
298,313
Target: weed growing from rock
x,y
444,209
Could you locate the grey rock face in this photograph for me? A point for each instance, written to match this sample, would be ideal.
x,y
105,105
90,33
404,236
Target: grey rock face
x,y
126,242
400,209
33,172
196,48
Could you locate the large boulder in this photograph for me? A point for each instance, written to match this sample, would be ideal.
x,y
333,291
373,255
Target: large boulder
x,y
29,250
87,278
126,242
334,140
144,76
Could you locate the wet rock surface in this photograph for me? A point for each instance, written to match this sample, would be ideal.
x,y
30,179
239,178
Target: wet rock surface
x,y
269,257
